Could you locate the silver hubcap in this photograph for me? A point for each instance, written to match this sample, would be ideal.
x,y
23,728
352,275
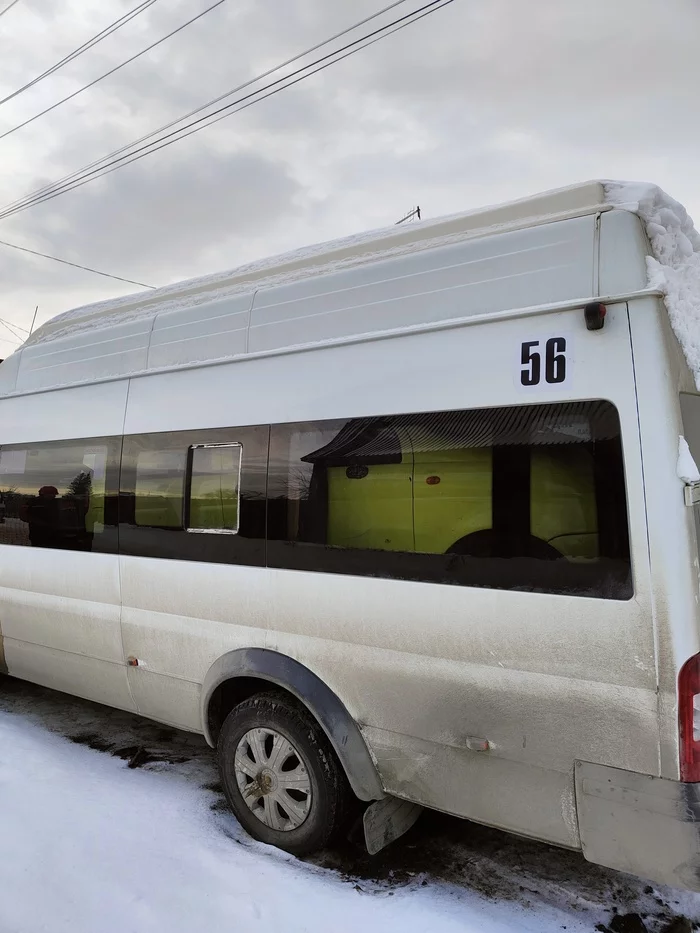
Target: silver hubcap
x,y
273,779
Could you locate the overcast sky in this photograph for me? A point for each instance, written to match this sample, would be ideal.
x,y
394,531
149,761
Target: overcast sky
x,y
478,103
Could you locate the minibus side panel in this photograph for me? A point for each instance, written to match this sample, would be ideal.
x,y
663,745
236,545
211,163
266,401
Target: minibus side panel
x,y
429,671
60,608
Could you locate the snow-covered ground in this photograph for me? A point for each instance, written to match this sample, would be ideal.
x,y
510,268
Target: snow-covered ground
x,y
111,824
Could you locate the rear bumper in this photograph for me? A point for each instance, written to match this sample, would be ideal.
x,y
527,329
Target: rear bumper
x,y
644,825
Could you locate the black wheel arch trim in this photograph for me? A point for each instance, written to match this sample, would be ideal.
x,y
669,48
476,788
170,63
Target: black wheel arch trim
x,y
337,723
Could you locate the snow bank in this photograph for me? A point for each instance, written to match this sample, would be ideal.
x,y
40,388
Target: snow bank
x,y
674,268
88,845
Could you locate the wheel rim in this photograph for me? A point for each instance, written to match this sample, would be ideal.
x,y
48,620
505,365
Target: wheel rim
x,y
273,779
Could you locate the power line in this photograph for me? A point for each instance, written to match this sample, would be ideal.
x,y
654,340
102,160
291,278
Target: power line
x,y
232,108
84,176
206,106
111,71
75,265
9,328
14,327
8,7
86,46
13,343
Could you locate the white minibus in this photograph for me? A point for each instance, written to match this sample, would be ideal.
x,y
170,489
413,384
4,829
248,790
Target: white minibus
x,y
408,519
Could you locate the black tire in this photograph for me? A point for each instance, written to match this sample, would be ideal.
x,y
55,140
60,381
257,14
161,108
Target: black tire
x,y
330,792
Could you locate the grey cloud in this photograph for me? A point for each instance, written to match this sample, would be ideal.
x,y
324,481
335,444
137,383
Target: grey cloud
x,y
477,103
147,221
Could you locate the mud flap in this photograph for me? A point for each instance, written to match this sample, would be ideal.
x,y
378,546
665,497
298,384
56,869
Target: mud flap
x,y
387,819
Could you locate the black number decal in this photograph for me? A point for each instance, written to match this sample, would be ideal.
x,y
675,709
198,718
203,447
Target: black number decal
x,y
530,373
554,362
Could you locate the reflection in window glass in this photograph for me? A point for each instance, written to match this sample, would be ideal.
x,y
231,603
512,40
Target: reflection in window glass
x,y
53,494
530,497
214,488
160,483
224,469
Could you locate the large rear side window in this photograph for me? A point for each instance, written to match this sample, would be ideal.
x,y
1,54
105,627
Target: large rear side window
x,y
527,498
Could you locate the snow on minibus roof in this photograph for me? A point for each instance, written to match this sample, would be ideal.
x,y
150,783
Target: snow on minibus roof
x,y
673,267
322,258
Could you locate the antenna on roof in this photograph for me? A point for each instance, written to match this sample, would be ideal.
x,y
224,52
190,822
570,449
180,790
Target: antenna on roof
x,y
33,320
413,214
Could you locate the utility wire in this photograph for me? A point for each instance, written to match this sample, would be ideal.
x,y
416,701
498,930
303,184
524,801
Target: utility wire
x,y
11,329
86,46
8,7
14,326
317,66
216,100
18,339
259,96
78,179
75,265
111,71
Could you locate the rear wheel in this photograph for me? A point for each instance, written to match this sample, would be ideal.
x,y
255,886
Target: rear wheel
x,y
280,775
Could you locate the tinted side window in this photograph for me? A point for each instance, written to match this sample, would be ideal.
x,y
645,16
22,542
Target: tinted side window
x,y
213,488
60,495
195,481
528,498
159,487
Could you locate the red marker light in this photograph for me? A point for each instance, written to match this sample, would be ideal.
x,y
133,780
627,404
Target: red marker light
x,y
433,480
594,314
689,719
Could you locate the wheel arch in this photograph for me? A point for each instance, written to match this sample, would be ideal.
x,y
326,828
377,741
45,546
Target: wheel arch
x,y
252,668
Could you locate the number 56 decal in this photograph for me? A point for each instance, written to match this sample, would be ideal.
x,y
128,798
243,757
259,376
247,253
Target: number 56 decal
x,y
544,361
